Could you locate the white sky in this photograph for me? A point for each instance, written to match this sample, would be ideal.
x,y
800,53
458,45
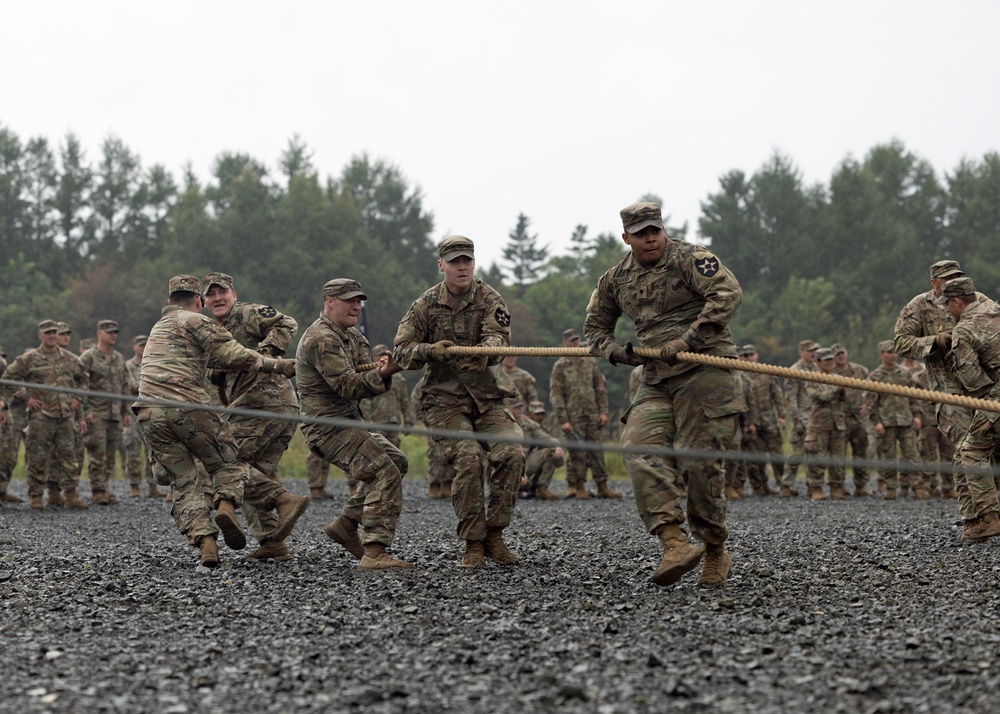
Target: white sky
x,y
565,111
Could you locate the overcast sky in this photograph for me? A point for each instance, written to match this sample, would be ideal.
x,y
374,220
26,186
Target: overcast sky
x,y
565,111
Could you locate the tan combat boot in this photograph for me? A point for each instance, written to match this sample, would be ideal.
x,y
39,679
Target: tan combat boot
x,y
133,491
496,549
35,501
837,492
56,498
715,569
603,491
545,494
276,550
99,497
982,528
6,497
816,493
168,497
679,556
375,558
860,492
949,493
232,531
732,494
474,556
209,552
580,489
73,499
434,491
318,494
153,492
290,508
880,487
889,494
921,494
345,531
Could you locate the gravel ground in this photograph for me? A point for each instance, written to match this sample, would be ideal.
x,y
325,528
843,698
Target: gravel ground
x,y
850,606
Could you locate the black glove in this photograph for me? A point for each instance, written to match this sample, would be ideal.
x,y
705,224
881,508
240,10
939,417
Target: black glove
x,y
625,355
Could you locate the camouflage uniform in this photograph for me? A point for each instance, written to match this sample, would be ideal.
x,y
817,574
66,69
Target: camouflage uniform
x,y
261,442
856,433
330,386
174,367
106,373
825,435
456,399
132,445
440,456
540,463
49,431
934,447
736,468
799,408
689,295
766,404
7,464
896,414
975,364
578,394
524,381
317,472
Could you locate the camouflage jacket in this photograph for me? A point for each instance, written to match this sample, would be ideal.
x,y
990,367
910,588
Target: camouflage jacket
x,y
480,317
765,402
687,294
181,346
577,389
853,398
525,382
264,329
59,368
326,363
132,369
390,407
889,409
797,396
826,410
533,430
634,380
743,379
975,352
105,373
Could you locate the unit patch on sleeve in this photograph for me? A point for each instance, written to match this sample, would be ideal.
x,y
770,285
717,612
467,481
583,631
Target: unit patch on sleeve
x,y
707,266
266,311
502,317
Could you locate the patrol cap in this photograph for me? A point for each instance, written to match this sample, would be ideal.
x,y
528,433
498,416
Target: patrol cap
x,y
886,346
87,344
140,339
107,326
454,246
536,407
808,346
380,349
956,288
62,328
570,334
749,349
946,269
344,289
221,279
514,403
741,351
48,326
823,354
184,284
637,216
838,348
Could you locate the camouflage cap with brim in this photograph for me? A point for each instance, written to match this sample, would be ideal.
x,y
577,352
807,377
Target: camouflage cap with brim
x,y
944,269
749,349
140,339
808,346
48,325
823,354
63,328
107,326
456,246
886,346
838,348
570,334
956,288
184,284
344,289
221,279
536,408
637,216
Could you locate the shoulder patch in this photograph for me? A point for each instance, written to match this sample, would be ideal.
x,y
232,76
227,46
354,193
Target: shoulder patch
x,y
502,317
266,311
707,265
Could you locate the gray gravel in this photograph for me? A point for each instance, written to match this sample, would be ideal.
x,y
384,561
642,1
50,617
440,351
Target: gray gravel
x,y
851,606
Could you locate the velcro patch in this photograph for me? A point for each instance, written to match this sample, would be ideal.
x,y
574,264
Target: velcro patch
x,y
707,266
266,311
502,317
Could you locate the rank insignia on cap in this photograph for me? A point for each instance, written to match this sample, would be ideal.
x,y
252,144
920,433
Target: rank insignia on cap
x,y
502,317
707,266
267,311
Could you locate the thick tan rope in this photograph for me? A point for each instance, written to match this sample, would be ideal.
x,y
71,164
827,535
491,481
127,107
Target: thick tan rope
x,y
836,380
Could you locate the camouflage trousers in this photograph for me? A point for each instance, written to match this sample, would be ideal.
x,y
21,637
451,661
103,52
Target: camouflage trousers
x,y
131,453
736,470
828,444
694,410
261,443
13,437
317,471
49,441
935,447
976,454
7,464
392,437
578,461
766,441
440,462
102,439
379,468
475,510
906,439
857,438
178,439
540,465
55,476
797,442
955,423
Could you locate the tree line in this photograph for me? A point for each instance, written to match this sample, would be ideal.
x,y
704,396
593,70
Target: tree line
x,y
83,239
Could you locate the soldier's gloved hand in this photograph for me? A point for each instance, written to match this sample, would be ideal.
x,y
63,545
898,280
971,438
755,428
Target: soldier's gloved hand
x,y
625,354
668,353
284,367
438,352
269,350
474,365
943,341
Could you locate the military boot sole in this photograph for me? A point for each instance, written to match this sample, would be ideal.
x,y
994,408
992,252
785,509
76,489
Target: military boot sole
x,y
979,533
715,574
276,551
670,573
383,562
286,520
232,533
335,531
